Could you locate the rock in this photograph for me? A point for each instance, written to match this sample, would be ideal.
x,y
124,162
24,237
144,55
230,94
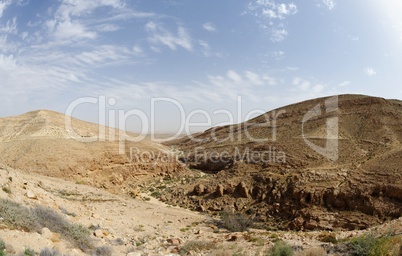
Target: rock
x,y
31,195
174,241
99,233
46,233
199,189
242,190
10,249
219,192
25,182
56,237
232,238
134,254
134,193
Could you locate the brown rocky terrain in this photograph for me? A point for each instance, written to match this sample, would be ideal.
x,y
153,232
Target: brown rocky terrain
x,y
39,142
145,226
280,184
285,183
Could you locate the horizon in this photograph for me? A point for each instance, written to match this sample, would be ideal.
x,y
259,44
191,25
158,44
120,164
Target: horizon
x,y
194,56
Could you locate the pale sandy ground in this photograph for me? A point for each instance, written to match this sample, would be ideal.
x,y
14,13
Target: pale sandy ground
x,y
130,225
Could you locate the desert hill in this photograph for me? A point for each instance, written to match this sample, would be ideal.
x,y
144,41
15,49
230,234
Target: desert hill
x,y
283,181
39,142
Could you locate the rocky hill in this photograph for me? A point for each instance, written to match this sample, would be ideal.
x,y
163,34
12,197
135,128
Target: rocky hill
x,y
325,163
40,142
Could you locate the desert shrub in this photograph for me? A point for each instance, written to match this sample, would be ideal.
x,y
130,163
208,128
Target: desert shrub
x,y
79,235
17,216
6,189
327,237
102,251
28,252
2,247
318,251
363,245
235,222
376,246
75,233
50,219
196,246
49,252
280,249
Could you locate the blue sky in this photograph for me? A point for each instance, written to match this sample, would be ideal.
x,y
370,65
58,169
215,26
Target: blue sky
x,y
203,54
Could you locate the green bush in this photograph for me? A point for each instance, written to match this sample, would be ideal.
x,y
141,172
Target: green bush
x,y
370,245
75,233
235,222
2,247
33,220
79,235
280,249
363,245
17,216
29,252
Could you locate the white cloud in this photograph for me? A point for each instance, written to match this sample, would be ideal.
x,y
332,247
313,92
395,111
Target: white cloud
x,y
330,4
278,35
161,36
105,54
10,27
209,26
108,27
370,71
292,68
206,50
277,54
69,21
3,6
344,83
72,30
234,76
271,16
317,88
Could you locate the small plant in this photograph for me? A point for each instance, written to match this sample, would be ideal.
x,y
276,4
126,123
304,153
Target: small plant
x,y
363,245
184,229
371,245
29,252
196,246
156,194
2,247
17,216
6,189
318,251
236,222
327,237
102,251
49,252
280,249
